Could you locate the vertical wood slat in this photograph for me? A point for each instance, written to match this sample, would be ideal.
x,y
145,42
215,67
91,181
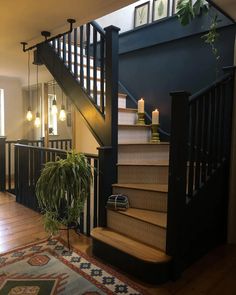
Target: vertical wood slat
x,y
205,143
199,131
95,198
88,207
69,52
177,179
2,163
88,59
217,126
64,49
95,65
211,134
58,46
9,165
192,150
75,54
102,70
81,56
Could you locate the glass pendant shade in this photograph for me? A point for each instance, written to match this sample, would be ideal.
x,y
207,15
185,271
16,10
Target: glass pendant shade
x,y
37,121
54,107
62,115
29,115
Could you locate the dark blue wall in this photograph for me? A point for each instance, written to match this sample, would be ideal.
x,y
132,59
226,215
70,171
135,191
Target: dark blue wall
x,y
165,56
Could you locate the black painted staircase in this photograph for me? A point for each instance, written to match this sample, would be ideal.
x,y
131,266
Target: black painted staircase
x,y
172,219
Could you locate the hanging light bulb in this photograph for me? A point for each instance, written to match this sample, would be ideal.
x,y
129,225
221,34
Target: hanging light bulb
x,y
37,120
54,107
29,115
62,115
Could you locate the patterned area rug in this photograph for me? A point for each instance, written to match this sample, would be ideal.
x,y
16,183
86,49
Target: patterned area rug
x,y
48,267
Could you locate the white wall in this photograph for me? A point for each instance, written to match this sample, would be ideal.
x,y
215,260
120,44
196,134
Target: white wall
x,y
13,107
84,141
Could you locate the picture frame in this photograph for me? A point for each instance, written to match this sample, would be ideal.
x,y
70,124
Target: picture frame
x,y
160,9
141,14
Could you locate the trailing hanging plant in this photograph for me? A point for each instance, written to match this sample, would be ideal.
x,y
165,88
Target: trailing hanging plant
x,y
186,12
62,189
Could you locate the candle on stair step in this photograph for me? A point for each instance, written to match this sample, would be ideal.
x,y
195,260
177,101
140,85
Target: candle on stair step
x,y
141,105
155,117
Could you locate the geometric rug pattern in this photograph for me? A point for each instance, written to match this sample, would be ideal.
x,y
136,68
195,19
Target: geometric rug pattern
x,y
49,268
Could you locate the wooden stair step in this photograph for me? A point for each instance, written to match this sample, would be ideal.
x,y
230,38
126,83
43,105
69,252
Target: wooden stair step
x,y
148,227
144,172
155,187
127,116
134,133
152,217
130,246
158,162
144,196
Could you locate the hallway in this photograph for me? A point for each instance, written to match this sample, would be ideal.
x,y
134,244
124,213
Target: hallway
x,y
214,274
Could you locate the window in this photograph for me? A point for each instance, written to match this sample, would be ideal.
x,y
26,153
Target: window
x,y
2,127
52,116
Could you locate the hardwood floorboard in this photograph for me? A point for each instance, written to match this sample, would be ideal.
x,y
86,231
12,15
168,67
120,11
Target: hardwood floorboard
x,y
214,274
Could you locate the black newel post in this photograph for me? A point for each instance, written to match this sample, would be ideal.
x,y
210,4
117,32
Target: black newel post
x,y
2,164
108,154
177,179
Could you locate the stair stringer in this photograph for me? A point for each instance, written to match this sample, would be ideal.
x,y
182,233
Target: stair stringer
x,y
96,121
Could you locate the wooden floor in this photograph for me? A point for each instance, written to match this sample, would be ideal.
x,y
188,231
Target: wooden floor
x,y
214,274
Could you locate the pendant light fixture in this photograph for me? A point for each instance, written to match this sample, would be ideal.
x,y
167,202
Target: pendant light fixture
x,y
29,115
37,117
62,115
54,102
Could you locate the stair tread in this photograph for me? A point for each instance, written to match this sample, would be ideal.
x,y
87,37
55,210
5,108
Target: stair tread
x,y
130,246
143,143
156,162
143,186
126,110
134,125
119,94
153,217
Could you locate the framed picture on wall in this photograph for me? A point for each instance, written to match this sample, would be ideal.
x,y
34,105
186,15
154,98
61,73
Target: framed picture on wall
x,y
141,14
160,9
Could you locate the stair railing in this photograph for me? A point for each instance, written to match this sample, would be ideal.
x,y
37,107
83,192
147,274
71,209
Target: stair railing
x,y
198,171
85,65
26,177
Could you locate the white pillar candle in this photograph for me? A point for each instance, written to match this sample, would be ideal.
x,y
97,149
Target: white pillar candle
x,y
155,117
141,105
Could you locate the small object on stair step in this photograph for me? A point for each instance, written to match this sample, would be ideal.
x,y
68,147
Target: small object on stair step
x,y
118,202
155,134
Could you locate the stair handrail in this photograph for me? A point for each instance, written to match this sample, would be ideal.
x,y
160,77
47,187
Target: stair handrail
x,y
196,95
98,27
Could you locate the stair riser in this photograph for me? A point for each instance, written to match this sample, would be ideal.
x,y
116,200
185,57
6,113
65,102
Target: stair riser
x,y
142,153
144,232
143,174
142,199
127,117
134,134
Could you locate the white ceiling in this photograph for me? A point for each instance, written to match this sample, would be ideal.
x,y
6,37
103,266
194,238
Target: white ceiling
x,y
229,6
23,20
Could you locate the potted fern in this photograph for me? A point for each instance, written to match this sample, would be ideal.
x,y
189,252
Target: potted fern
x,y
62,189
